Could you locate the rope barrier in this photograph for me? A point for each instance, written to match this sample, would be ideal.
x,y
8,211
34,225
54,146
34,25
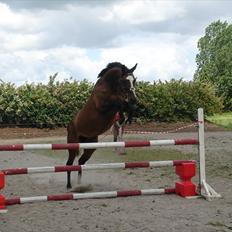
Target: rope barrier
x,y
160,132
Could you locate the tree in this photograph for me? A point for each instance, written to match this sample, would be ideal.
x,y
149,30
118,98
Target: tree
x,y
214,61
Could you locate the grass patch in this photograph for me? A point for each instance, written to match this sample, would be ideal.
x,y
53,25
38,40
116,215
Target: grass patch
x,y
61,154
140,154
224,120
219,224
110,155
217,169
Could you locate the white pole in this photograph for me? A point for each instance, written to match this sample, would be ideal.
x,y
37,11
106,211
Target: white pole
x,y
201,148
205,189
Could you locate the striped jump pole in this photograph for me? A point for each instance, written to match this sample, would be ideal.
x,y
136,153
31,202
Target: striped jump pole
x,y
184,187
144,164
93,195
77,146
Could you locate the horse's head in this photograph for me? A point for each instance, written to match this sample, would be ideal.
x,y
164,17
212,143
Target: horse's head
x,y
122,83
128,87
121,79
127,83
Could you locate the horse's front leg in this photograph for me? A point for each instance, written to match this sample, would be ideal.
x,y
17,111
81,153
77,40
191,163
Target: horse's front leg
x,y
71,158
83,159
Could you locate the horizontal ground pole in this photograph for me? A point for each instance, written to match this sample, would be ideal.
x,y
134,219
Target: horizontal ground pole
x,y
76,146
92,195
143,164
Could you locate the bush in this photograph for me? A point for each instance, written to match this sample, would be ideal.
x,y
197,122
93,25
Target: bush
x,y
175,100
54,104
42,105
8,102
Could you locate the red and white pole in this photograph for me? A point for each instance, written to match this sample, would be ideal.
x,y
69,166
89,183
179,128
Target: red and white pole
x,y
143,164
77,146
93,195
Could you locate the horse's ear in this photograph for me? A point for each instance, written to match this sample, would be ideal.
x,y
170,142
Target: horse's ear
x,y
102,72
133,69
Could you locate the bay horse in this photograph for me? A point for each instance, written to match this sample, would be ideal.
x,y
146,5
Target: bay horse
x,y
113,92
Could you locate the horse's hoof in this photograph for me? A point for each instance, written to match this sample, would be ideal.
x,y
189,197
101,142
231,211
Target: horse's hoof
x,y
69,186
82,188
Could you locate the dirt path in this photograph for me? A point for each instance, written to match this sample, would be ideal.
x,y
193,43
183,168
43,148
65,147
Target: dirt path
x,y
148,213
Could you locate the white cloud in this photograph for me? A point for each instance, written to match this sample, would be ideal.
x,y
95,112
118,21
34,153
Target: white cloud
x,y
21,41
135,12
78,39
16,21
38,65
159,57
156,59
9,18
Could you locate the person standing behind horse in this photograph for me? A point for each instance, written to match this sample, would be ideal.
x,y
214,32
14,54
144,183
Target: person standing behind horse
x,y
118,130
118,126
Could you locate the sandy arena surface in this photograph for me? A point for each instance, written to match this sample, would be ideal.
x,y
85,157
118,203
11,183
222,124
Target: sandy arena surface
x,y
138,214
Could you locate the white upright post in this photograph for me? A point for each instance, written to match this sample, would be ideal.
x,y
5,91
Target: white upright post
x,y
201,148
205,190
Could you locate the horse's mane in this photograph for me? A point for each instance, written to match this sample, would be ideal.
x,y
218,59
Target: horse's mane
x,y
113,65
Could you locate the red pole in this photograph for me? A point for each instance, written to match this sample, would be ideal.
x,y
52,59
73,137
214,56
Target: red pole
x,y
2,198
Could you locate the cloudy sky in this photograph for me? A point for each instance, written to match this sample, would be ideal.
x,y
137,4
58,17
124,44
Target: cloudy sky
x,y
78,38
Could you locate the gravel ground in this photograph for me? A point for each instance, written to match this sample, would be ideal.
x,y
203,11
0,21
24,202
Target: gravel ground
x,y
142,213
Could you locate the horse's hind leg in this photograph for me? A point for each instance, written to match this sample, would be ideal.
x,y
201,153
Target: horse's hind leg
x,y
86,155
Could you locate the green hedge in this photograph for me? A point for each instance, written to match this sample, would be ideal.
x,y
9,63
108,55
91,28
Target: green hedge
x,y
42,105
176,100
54,104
